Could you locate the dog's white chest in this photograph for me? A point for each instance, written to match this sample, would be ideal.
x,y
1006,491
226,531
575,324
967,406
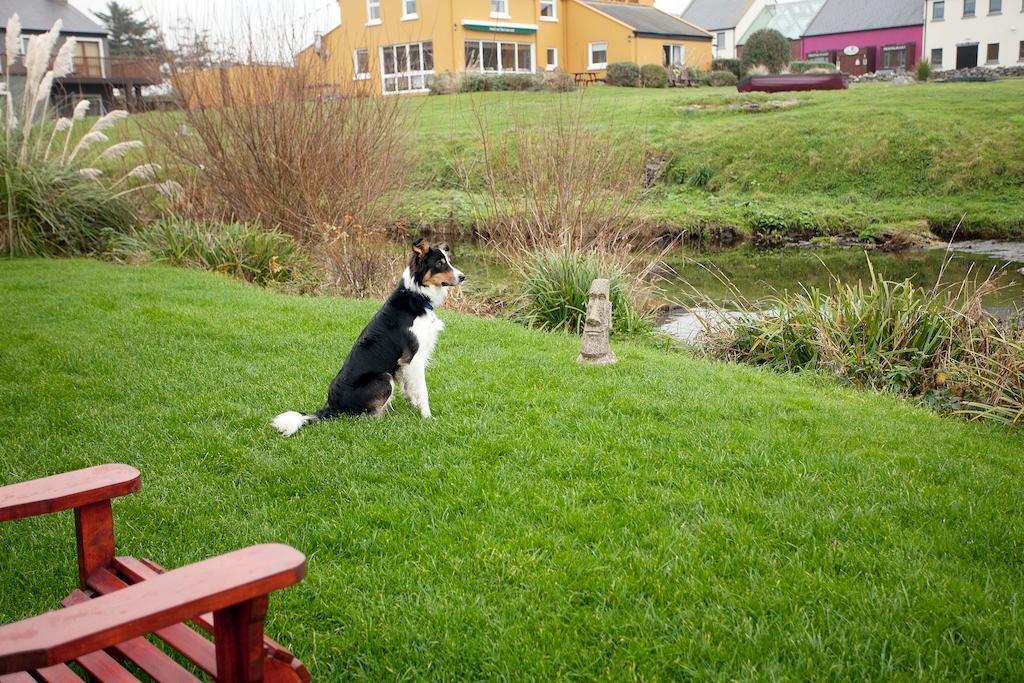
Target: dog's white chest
x,y
426,329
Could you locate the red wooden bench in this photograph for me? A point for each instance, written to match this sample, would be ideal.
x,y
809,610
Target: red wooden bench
x,y
120,600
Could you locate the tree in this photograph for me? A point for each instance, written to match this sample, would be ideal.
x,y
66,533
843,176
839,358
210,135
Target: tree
x,y
766,47
130,36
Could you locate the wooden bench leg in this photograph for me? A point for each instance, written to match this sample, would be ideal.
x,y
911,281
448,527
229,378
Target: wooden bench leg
x,y
94,534
238,637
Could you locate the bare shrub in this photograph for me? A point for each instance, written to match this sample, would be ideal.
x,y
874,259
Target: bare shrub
x,y
274,144
560,200
360,260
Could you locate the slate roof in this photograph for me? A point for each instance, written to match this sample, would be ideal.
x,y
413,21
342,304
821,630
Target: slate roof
x,y
41,15
846,16
790,19
714,15
650,22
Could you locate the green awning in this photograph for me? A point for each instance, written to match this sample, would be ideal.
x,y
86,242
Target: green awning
x,y
500,28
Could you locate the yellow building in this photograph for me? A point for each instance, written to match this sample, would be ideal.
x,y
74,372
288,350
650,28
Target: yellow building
x,y
397,46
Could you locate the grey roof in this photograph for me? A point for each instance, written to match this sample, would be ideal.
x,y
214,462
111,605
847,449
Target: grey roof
x,y
648,21
846,16
41,15
790,19
714,15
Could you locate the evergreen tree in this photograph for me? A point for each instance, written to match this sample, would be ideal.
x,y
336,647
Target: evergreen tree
x,y
129,35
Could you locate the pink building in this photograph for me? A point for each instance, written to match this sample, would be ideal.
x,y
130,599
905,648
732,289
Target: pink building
x,y
866,35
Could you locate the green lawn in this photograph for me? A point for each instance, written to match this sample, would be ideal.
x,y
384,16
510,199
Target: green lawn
x,y
663,518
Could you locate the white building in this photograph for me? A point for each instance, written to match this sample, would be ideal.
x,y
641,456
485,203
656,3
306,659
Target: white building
x,y
726,20
967,33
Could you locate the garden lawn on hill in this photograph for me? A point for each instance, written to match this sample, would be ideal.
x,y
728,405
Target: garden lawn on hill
x,y
665,517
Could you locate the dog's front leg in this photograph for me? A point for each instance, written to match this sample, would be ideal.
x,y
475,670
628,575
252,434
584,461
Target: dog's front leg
x,y
413,378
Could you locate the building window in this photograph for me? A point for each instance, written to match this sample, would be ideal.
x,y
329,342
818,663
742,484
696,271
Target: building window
x,y
409,9
552,58
598,55
995,6
499,9
1020,54
894,57
824,57
372,12
408,67
361,61
939,10
992,55
547,10
720,40
672,55
968,8
497,57
937,58
88,59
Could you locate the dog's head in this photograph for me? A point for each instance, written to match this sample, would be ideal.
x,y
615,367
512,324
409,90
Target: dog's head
x,y
430,266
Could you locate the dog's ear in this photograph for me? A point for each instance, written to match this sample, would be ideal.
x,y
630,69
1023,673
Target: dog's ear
x,y
420,247
443,246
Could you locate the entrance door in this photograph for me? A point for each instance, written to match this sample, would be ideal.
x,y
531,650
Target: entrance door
x,y
858,64
966,56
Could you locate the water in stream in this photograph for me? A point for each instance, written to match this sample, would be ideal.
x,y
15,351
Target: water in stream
x,y
737,279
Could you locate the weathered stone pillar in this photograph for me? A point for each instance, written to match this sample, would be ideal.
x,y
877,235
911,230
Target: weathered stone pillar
x,y
595,348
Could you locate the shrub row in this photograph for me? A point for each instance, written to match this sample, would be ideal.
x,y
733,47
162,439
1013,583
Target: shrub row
x,y
632,75
449,83
804,67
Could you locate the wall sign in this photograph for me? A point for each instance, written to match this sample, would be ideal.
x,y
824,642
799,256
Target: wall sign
x,y
519,29
851,50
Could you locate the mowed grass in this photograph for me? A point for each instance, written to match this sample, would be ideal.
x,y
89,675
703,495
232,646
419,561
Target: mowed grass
x,y
663,518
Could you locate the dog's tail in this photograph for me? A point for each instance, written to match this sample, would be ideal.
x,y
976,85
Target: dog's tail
x,y
292,421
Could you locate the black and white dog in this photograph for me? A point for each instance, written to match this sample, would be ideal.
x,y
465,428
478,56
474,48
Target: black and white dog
x,y
395,345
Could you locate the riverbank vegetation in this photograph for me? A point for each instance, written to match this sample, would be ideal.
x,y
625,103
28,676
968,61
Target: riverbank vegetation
x,y
938,344
662,518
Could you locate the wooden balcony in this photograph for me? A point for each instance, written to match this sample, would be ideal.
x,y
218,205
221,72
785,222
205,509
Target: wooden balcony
x,y
118,71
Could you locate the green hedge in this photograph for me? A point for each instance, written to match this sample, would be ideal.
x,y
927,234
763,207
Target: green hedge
x,y
653,76
732,65
804,67
722,78
623,74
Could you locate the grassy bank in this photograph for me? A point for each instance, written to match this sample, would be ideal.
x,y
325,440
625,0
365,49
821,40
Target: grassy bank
x,y
948,154
661,518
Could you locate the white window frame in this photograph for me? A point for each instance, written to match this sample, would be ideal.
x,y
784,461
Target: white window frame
x,y
501,67
591,64
425,74
406,14
103,55
360,75
720,39
499,9
370,6
672,48
551,66
553,4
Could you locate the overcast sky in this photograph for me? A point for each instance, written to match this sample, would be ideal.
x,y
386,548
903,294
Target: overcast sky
x,y
228,19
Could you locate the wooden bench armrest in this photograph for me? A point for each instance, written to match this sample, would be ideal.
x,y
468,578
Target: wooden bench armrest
x,y
211,585
66,491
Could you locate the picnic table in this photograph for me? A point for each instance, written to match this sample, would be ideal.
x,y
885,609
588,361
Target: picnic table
x,y
585,77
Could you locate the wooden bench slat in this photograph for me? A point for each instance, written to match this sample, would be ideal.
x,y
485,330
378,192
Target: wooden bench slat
x,y
194,647
146,656
20,677
141,570
59,673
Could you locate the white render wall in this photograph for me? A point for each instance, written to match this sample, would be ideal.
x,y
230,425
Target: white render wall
x,y
1006,28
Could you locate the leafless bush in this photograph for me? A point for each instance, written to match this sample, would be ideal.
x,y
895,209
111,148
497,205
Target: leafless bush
x,y
549,181
280,145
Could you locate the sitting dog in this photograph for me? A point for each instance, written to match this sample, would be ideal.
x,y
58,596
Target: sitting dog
x,y
395,345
